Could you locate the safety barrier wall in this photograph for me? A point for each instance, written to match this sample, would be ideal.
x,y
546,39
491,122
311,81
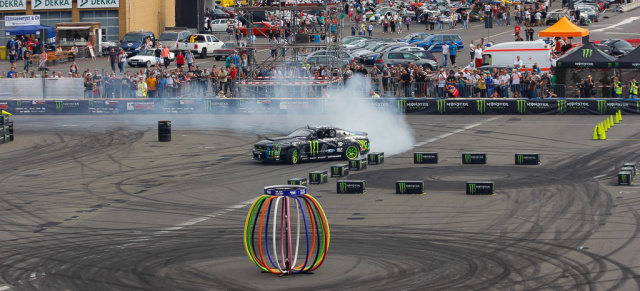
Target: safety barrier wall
x,y
630,6
33,87
319,106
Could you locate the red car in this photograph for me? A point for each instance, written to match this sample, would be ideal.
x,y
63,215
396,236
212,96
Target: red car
x,y
259,29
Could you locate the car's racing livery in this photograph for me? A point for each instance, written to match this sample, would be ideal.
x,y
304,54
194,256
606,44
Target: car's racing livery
x,y
313,143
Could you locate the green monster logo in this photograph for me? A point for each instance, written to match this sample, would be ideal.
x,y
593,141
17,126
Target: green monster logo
x,y
275,151
624,178
19,103
402,106
91,102
587,53
442,105
314,177
419,158
166,102
638,106
314,147
562,106
353,163
482,106
520,159
472,188
336,170
208,105
59,106
402,187
343,187
467,159
602,106
522,106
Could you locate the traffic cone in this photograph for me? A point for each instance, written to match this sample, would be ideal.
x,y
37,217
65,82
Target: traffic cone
x,y
615,119
595,133
611,121
603,135
605,125
5,113
620,114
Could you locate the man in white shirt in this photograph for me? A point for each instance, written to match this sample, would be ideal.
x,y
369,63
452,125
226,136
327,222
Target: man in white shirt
x,y
478,56
518,63
504,84
445,53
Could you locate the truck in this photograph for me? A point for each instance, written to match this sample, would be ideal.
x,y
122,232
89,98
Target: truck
x,y
200,44
530,52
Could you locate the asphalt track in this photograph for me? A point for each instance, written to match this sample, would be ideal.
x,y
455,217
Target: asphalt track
x,y
96,203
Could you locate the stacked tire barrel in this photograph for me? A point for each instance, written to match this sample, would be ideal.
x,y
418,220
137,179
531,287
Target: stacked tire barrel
x,y
6,129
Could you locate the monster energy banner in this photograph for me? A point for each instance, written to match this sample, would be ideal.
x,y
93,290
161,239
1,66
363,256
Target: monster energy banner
x,y
310,106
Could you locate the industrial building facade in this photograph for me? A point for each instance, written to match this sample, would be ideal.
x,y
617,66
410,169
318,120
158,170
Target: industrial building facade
x,y
116,17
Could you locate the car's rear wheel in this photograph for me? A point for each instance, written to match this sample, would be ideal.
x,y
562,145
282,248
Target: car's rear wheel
x,y
351,152
293,156
218,58
203,54
427,67
148,64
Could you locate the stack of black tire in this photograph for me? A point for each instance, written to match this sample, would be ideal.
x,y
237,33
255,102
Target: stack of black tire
x,y
6,129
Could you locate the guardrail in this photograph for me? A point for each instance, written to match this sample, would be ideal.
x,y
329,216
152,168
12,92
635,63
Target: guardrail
x,y
630,6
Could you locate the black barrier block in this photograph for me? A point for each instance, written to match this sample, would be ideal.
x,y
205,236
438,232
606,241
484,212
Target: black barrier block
x,y
479,187
10,130
375,158
340,170
474,158
625,178
630,169
318,177
425,158
164,130
633,164
410,187
350,186
527,159
357,164
297,181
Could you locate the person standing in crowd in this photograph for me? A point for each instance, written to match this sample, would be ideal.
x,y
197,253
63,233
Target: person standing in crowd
x,y
453,52
73,69
166,53
472,51
222,78
445,53
189,58
162,85
123,61
478,56
179,60
113,59
26,56
617,87
152,86
633,88
370,28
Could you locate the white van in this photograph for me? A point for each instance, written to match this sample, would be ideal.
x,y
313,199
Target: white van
x,y
530,52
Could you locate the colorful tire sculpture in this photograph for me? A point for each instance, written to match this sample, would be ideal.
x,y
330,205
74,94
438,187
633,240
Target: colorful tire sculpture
x,y
286,231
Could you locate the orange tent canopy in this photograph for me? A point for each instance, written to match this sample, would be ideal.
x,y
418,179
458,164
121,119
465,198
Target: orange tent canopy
x,y
564,28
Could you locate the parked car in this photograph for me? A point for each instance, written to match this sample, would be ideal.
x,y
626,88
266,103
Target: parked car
x,y
226,49
146,58
434,42
617,47
220,25
393,58
200,44
133,41
555,15
418,51
219,13
346,58
476,15
259,29
414,37
170,38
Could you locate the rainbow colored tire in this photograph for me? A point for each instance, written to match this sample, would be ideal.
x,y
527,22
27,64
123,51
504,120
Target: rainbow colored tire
x,y
286,231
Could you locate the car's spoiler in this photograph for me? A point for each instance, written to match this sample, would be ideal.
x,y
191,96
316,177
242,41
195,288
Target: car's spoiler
x,y
360,132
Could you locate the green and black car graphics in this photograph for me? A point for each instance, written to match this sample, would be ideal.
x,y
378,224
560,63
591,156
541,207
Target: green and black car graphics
x,y
313,143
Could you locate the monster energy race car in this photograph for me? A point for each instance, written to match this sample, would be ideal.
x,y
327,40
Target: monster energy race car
x,y
312,143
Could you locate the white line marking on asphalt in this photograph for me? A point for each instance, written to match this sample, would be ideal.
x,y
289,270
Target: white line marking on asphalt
x,y
197,220
459,130
5,287
621,23
599,176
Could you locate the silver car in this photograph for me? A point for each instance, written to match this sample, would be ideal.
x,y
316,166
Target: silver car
x,y
394,58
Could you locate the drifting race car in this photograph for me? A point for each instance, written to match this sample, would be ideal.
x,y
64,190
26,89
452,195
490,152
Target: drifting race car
x,y
313,143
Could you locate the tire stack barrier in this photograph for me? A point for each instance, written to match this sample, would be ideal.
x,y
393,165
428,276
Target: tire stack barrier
x,y
357,164
375,158
479,187
164,130
410,187
527,159
425,158
627,174
350,187
6,129
474,158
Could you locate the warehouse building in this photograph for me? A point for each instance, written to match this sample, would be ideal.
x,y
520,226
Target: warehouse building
x,y
116,17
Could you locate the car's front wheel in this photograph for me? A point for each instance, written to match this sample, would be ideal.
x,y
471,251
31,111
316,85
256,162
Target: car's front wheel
x,y
351,152
293,156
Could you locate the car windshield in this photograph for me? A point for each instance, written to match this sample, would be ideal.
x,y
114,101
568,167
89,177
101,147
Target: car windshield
x,y
300,133
351,40
146,53
168,36
622,45
132,38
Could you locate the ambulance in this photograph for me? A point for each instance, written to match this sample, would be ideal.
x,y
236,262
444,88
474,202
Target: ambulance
x,y
530,52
